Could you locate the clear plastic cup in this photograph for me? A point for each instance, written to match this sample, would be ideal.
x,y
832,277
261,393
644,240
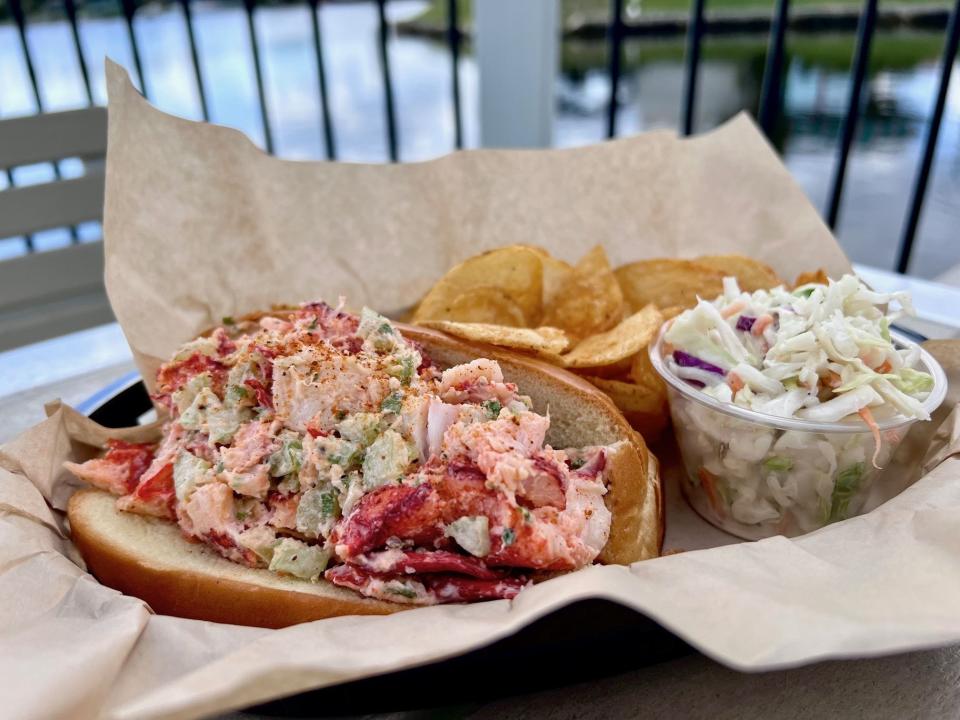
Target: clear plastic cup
x,y
756,475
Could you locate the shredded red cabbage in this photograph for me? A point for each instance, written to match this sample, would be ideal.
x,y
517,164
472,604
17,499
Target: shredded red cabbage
x,y
687,360
745,323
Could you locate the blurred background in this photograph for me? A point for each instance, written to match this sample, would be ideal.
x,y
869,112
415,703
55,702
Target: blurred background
x,y
380,81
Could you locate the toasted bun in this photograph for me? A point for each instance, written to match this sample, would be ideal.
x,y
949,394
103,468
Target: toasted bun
x,y
149,558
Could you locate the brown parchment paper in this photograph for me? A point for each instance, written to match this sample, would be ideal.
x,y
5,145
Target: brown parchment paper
x,y
199,224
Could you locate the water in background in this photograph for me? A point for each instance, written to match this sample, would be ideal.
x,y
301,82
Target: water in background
x,y
880,175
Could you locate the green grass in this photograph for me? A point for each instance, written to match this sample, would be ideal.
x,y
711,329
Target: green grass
x,y
437,13
831,51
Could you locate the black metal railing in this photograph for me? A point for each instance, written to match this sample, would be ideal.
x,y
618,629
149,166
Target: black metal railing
x,y
128,10
769,114
771,98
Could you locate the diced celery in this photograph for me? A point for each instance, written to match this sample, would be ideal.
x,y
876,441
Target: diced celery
x,y
385,460
361,428
296,558
392,403
288,459
317,512
471,533
188,472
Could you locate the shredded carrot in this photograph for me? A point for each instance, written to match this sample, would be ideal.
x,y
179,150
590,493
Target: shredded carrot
x,y
761,324
733,308
709,482
785,522
735,382
885,368
875,429
832,380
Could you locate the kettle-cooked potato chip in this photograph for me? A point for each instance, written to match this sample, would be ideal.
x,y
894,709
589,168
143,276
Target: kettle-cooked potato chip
x,y
556,278
591,301
619,370
547,341
643,373
626,339
645,409
671,311
751,274
516,271
668,281
804,278
484,305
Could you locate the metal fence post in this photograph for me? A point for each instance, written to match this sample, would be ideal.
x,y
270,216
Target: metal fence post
x,y
517,56
691,65
868,20
771,91
952,41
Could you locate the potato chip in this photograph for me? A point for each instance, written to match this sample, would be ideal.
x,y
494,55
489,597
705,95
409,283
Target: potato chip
x,y
751,274
591,301
646,410
485,305
668,282
623,341
671,312
556,278
628,396
619,370
804,278
643,373
515,271
548,341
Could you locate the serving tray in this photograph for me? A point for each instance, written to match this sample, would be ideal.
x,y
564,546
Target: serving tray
x,y
580,642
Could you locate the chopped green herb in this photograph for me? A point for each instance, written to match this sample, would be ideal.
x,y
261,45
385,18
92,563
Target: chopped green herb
x,y
340,414
401,590
228,320
508,537
242,515
392,403
317,512
493,407
805,292
526,514
577,463
404,370
329,505
235,393
347,455
313,325
288,459
220,467
385,329
778,464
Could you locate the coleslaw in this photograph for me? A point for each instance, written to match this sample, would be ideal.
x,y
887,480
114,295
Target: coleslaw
x,y
829,385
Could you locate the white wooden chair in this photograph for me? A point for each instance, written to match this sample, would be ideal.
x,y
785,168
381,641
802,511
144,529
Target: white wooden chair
x,y
45,294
